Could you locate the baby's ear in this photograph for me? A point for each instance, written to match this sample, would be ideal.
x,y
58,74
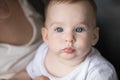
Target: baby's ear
x,y
44,32
95,37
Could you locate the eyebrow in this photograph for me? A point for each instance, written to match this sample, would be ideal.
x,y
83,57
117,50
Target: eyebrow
x,y
56,23
84,23
87,25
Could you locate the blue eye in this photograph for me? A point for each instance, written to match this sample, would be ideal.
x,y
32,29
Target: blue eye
x,y
79,29
59,29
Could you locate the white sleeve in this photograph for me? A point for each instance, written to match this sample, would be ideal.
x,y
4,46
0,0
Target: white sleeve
x,y
34,68
102,72
30,70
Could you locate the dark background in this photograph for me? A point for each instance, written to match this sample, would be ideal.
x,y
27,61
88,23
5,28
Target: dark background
x,y
108,19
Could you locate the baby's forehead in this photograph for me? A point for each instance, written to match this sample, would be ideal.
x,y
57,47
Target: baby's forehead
x,y
82,3
61,11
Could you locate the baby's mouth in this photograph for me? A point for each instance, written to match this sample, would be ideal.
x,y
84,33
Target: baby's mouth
x,y
68,50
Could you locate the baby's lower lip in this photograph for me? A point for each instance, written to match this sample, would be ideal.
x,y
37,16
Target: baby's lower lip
x,y
68,50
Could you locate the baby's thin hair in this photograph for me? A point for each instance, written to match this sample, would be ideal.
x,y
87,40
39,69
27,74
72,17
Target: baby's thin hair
x,y
92,2
48,2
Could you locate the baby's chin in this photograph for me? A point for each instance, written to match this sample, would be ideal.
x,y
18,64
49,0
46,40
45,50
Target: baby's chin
x,y
67,56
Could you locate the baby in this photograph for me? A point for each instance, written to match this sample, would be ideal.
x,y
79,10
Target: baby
x,y
69,34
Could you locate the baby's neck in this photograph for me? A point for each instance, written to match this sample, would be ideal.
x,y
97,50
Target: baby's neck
x,y
72,63
60,67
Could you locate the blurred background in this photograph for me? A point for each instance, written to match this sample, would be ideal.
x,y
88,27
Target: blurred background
x,y
108,19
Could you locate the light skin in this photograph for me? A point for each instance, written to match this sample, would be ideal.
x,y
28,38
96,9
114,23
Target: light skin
x,y
69,32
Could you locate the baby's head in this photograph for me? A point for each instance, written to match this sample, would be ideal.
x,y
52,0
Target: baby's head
x,y
70,27
56,2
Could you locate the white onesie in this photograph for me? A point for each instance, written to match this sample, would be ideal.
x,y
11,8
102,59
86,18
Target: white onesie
x,y
95,67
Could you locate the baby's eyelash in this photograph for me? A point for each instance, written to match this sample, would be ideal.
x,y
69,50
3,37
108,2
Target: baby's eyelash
x,y
59,29
79,29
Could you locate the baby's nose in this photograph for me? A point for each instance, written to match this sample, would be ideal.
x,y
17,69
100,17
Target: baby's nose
x,y
69,38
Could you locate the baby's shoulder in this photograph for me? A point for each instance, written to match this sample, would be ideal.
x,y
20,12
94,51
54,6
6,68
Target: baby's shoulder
x,y
97,60
98,64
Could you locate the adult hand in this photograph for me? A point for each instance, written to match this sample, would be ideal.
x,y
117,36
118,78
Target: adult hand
x,y
21,76
42,78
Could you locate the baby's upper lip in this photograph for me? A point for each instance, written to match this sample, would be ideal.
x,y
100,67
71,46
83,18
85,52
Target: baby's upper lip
x,y
69,49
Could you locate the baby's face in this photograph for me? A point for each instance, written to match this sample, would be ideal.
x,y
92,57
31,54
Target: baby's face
x,y
70,29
